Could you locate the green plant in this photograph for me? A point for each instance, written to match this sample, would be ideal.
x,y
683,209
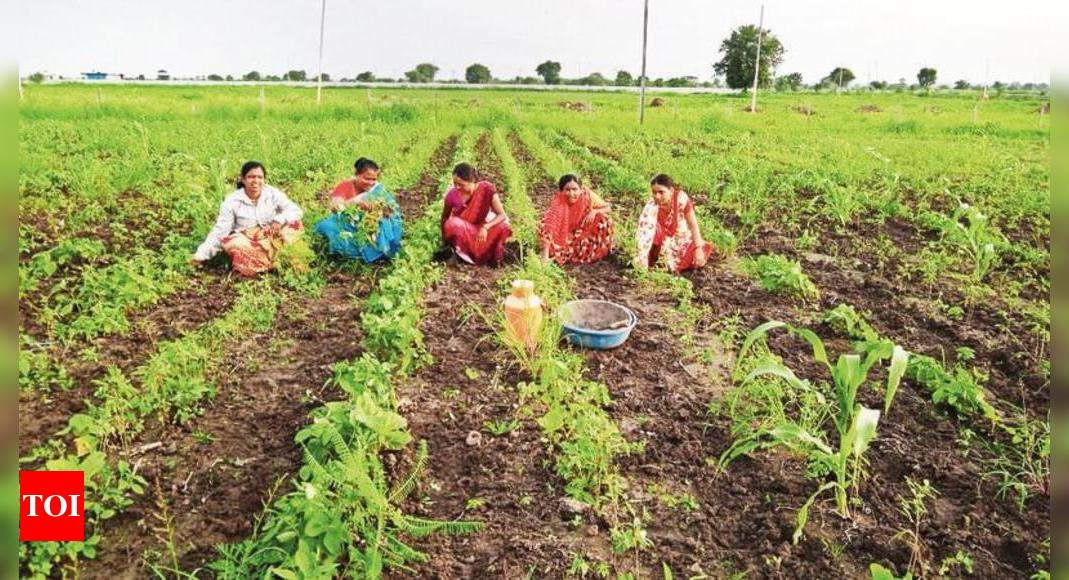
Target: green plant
x,y
631,536
958,389
914,509
779,274
1022,464
961,560
878,572
845,320
854,424
503,427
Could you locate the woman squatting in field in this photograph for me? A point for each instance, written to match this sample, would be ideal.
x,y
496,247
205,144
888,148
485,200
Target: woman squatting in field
x,y
352,202
254,224
473,222
668,228
576,228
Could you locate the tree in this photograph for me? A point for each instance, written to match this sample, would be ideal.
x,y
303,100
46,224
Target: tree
x,y
962,85
477,74
251,76
926,77
878,85
740,53
366,77
423,73
229,77
624,79
550,72
326,78
295,75
594,80
37,78
689,81
214,77
838,77
791,82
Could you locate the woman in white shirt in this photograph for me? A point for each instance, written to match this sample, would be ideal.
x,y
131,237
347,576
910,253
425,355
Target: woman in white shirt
x,y
254,223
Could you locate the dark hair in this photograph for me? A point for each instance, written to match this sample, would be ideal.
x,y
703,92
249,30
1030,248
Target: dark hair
x,y
663,179
566,179
464,171
363,164
245,169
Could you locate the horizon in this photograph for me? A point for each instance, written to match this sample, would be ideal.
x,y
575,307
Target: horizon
x,y
115,37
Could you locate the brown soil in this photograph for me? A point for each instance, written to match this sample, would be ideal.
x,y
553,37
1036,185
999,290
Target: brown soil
x,y
1005,347
746,515
215,474
472,381
41,415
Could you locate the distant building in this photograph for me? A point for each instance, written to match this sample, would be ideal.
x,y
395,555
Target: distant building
x,y
95,76
162,75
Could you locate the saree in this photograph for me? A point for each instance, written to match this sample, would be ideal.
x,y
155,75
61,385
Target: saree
x,y
568,240
354,233
461,223
255,250
665,232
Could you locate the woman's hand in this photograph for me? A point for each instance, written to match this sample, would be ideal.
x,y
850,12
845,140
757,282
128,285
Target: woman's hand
x,y
589,217
337,205
194,262
699,255
483,233
272,228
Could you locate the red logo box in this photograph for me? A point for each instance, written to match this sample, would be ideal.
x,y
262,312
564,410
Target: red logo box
x,y
51,506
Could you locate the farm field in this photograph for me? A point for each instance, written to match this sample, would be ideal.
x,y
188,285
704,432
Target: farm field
x,y
365,421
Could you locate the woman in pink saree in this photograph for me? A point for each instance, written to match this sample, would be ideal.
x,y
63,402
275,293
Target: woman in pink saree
x,y
474,223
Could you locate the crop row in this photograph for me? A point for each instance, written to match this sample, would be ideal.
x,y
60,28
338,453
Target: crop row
x,y
342,516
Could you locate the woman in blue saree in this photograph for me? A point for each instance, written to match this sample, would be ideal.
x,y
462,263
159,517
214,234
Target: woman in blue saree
x,y
366,220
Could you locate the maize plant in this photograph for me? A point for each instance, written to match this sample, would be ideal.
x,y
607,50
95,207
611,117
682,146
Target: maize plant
x,y
854,424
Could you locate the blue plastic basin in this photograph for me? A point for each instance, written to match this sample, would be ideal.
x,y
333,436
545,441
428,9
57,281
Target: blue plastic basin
x,y
586,323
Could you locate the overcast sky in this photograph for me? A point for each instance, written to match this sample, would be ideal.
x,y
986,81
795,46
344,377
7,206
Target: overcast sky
x,y
884,39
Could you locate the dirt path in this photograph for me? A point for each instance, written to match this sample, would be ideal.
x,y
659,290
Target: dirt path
x,y
505,481
659,396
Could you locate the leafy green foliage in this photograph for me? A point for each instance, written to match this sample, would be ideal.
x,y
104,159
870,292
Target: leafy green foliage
x,y
779,274
854,424
739,55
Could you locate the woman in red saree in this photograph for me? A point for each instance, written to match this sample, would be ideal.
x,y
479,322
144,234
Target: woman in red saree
x,y
576,228
474,223
668,228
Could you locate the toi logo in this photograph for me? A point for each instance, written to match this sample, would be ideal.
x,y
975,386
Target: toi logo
x,y
51,506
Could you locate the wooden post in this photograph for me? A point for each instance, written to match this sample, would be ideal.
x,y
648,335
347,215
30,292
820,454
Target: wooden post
x,y
757,61
642,79
319,77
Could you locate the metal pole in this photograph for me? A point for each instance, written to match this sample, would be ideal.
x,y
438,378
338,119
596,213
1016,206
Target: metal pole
x,y
757,63
319,77
642,79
